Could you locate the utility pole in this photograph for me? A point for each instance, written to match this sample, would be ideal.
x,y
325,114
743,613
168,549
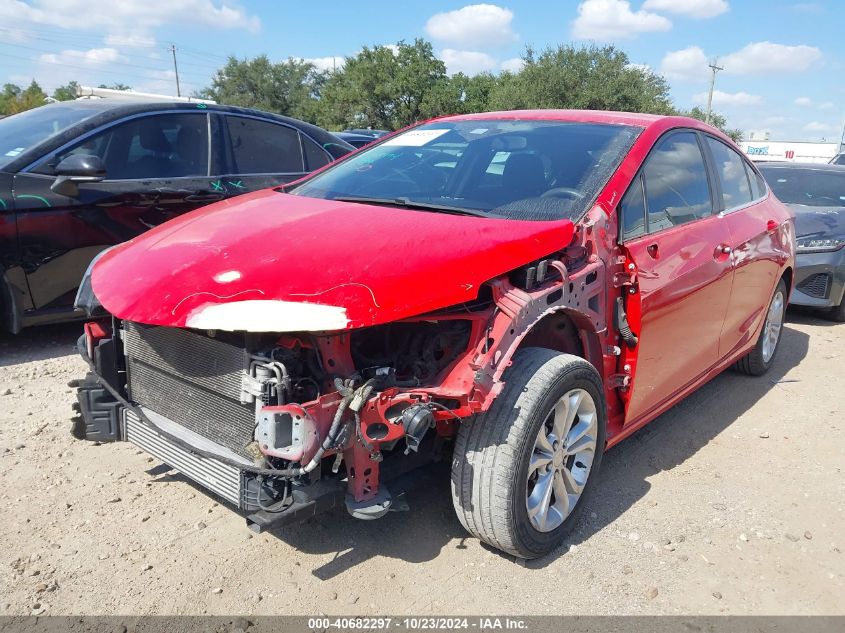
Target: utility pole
x,y
176,70
714,68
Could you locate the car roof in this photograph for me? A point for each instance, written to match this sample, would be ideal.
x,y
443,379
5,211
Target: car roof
x,y
576,116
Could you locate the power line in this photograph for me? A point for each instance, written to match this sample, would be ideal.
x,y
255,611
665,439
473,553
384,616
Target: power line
x,y
89,70
195,74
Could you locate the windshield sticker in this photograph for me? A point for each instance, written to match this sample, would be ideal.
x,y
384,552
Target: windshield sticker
x,y
14,152
415,138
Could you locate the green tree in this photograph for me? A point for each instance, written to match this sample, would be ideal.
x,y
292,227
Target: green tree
x,y
115,86
387,88
14,99
473,93
67,92
290,87
716,120
590,77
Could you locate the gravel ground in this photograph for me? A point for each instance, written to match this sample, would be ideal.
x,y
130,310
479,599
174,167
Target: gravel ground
x,y
732,502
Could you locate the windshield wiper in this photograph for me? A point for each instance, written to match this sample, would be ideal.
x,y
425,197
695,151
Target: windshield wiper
x,y
406,203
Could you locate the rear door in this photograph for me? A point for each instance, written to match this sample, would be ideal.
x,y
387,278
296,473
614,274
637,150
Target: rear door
x,y
265,153
157,168
675,247
755,228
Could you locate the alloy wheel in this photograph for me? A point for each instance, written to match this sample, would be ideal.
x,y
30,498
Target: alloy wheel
x,y
561,460
772,327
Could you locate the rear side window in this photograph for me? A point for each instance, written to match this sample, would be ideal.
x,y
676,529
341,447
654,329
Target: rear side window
x,y
736,190
261,147
675,181
315,156
155,146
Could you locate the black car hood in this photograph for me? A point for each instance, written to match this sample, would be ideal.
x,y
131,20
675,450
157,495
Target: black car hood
x,y
827,222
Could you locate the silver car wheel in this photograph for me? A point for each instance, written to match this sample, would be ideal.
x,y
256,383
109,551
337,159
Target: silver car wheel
x,y
772,327
561,460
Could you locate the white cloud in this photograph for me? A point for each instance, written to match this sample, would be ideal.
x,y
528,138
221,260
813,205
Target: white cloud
x,y
325,64
804,102
690,8
614,20
127,16
91,57
130,41
512,65
729,98
816,126
642,67
687,64
467,62
766,57
473,26
827,105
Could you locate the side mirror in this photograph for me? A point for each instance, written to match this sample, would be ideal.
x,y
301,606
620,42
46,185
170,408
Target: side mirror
x,y
74,169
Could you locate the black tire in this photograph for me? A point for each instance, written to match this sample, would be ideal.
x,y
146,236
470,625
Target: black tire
x,y
753,363
492,451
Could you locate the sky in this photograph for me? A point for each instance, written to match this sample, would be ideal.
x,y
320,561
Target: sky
x,y
783,60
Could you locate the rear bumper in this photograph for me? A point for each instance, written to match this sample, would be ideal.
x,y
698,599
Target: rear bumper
x,y
819,279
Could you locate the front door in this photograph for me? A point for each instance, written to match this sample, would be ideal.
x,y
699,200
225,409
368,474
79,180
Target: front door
x,y
157,168
679,251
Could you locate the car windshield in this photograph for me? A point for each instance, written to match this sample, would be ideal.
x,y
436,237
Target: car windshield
x,y
807,186
25,130
519,169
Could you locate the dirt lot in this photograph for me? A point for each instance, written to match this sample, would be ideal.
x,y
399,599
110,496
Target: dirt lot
x,y
730,503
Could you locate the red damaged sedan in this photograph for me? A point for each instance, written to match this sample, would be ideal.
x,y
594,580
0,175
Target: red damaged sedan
x,y
515,291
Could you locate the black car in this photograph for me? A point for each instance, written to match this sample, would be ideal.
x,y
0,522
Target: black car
x,y
816,192
79,176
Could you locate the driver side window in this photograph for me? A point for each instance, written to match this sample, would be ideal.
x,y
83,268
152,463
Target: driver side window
x,y
156,146
671,188
675,182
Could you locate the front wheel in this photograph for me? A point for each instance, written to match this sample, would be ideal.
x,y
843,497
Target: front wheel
x,y
522,470
758,361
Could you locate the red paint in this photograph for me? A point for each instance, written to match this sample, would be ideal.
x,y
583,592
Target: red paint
x,y
380,264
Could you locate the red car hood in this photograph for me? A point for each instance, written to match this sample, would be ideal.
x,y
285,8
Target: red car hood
x,y
272,262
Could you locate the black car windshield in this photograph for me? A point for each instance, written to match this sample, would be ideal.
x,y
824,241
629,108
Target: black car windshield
x,y
25,130
519,169
807,186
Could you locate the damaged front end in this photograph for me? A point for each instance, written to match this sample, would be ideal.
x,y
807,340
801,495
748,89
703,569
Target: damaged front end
x,y
281,426
285,423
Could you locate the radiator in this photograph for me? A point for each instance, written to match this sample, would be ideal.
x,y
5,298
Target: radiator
x,y
220,478
191,379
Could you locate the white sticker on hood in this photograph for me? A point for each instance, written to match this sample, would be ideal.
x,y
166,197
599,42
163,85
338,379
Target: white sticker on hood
x,y
267,315
415,138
